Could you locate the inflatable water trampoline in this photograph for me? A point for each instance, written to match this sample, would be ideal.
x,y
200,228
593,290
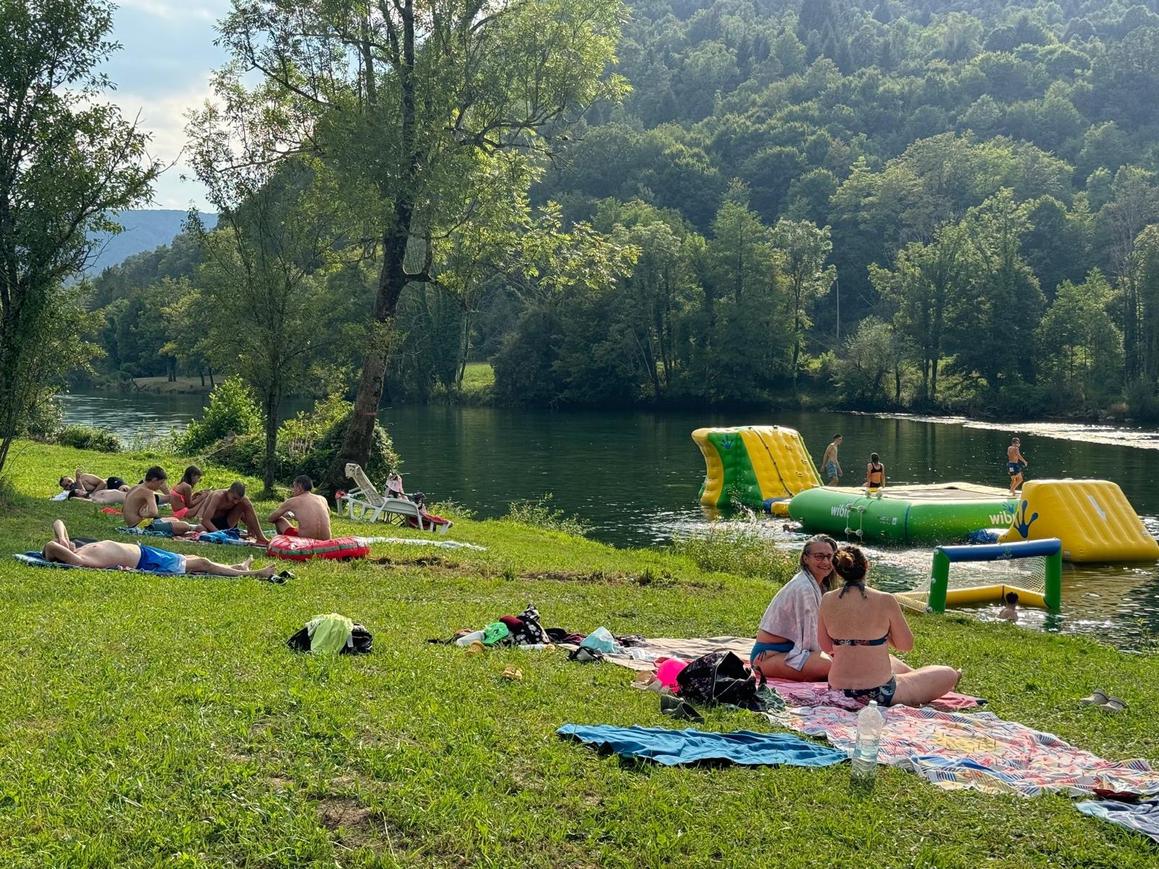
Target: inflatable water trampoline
x,y
903,514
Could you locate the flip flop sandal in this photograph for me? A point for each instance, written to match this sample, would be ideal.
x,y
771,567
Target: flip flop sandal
x,y
1114,704
1096,698
678,708
286,574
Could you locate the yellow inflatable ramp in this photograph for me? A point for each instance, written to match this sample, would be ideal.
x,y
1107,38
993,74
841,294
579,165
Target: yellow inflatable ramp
x,y
759,465
1093,518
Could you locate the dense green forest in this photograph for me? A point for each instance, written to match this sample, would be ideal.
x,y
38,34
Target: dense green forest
x,y
903,203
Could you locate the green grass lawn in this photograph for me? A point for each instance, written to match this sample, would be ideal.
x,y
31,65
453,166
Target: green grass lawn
x,y
150,720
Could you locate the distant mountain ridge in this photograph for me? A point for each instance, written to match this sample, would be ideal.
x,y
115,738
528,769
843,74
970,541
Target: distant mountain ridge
x,y
145,230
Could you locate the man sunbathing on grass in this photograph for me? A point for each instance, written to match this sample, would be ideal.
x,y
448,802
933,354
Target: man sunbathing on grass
x,y
311,512
225,508
131,556
141,505
101,496
85,485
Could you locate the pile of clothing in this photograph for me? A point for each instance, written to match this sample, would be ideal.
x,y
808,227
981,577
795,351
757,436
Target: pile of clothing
x,y
525,629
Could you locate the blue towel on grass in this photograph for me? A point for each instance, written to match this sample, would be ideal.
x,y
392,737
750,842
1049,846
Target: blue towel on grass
x,y
35,559
675,747
1140,817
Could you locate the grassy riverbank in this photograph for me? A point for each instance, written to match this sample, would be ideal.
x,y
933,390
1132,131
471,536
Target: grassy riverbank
x,y
157,720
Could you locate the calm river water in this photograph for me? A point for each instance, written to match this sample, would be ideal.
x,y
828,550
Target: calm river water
x,y
633,477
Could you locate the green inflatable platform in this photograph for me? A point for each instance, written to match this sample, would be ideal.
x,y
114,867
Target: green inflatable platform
x,y
904,514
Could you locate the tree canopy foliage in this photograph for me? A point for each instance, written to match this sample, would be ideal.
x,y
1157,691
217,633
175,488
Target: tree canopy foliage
x,y
914,203
66,159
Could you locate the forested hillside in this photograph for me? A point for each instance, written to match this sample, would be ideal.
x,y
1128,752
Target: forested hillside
x,y
896,203
143,230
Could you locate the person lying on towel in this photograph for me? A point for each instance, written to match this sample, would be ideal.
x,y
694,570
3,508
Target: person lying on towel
x,y
84,485
225,508
141,505
310,511
101,496
131,556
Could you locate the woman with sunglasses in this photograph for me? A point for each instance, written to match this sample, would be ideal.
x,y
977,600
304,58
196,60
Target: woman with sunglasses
x,y
786,646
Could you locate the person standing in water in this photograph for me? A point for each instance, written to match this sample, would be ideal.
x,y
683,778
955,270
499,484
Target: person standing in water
x,y
830,466
1015,464
874,475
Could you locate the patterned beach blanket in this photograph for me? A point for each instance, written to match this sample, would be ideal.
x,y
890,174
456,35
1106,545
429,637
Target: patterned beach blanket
x,y
979,751
1139,817
820,694
643,657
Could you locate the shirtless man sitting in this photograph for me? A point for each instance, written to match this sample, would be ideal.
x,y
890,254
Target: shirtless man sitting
x,y
141,505
224,508
131,556
311,512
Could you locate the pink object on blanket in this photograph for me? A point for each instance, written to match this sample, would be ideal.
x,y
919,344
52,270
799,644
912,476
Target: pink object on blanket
x,y
668,670
978,751
820,694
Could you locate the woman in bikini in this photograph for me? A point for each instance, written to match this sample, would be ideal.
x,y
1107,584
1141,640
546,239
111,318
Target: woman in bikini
x,y
857,625
874,475
786,644
182,498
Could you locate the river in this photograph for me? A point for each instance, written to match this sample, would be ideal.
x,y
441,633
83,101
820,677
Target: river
x,y
633,477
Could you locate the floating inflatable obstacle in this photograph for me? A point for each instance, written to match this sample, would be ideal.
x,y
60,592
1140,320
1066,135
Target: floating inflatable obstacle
x,y
903,514
761,466
1093,518
965,575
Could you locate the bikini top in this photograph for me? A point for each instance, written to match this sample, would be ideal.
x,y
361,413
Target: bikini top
x,y
878,642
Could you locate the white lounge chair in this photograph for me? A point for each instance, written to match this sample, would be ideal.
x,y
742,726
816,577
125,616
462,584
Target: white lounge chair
x,y
371,505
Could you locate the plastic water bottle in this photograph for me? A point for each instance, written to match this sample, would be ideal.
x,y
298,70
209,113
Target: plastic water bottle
x,y
870,723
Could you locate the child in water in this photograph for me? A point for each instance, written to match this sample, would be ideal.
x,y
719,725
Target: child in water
x,y
1010,611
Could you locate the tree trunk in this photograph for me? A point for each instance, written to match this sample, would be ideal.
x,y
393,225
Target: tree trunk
x,y
212,385
201,372
392,279
273,411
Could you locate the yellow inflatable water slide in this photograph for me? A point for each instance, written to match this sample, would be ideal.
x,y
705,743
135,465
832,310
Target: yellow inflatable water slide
x,y
755,465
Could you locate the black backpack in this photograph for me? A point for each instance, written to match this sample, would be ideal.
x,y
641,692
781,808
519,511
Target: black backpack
x,y
720,677
360,637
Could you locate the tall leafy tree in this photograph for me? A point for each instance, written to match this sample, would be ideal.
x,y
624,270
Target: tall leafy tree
x,y
919,289
267,308
67,159
801,253
1080,349
400,98
994,320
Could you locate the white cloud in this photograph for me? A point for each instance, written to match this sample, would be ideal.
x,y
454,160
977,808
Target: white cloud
x,y
206,10
164,119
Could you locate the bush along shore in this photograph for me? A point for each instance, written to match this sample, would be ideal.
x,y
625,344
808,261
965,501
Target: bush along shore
x,y
158,720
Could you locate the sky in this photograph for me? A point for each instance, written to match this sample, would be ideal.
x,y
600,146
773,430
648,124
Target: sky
x,y
161,72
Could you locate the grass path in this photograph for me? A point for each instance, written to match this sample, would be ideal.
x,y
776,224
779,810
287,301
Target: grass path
x,y
151,720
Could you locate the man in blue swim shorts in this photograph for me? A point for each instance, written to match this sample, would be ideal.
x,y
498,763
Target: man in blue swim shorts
x,y
830,466
113,554
1015,464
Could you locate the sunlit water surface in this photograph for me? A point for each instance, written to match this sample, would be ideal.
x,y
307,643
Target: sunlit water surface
x,y
633,477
